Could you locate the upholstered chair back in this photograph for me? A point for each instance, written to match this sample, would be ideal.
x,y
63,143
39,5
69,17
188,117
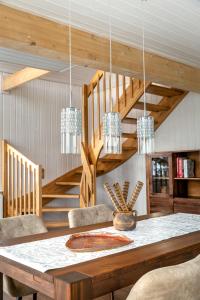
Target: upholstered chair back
x,y
179,282
17,227
90,215
21,226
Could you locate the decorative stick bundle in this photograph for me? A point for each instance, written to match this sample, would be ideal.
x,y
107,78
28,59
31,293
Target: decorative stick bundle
x,y
120,198
112,197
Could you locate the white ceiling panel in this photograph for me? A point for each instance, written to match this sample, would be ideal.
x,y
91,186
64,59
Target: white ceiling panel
x,y
172,28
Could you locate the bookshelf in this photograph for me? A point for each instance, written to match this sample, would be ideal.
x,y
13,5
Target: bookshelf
x,y
166,190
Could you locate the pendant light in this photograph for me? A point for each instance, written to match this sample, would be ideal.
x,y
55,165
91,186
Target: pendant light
x,y
145,123
70,116
111,120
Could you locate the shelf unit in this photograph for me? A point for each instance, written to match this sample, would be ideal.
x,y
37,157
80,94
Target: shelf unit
x,y
167,192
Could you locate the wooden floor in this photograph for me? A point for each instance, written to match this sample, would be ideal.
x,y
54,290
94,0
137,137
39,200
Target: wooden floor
x,y
119,295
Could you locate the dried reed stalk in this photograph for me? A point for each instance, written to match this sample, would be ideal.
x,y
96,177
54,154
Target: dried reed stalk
x,y
120,197
112,197
125,189
135,195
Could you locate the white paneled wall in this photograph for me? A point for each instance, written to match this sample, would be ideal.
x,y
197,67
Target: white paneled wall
x,y
30,121
180,131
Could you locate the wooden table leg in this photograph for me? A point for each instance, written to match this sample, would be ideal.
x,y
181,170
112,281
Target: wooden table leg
x,y
73,286
1,286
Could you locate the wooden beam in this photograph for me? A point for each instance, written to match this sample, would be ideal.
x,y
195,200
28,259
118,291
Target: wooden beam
x,y
17,79
28,33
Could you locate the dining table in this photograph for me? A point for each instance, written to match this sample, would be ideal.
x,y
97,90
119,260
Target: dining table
x,y
99,274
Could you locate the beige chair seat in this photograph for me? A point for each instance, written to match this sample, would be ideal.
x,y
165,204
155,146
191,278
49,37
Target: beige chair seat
x,y
89,215
179,282
17,227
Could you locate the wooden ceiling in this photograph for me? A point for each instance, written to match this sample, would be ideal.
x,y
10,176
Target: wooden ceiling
x,y
172,27
42,37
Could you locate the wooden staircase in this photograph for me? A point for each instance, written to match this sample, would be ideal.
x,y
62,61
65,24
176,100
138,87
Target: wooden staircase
x,y
127,102
29,197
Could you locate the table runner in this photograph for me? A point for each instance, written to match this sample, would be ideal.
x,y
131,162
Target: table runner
x,y
52,253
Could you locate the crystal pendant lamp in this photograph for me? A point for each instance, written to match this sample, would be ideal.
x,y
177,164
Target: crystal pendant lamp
x,y
70,116
145,123
111,120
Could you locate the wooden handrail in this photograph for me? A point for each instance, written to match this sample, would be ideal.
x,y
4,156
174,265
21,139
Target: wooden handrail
x,y
21,183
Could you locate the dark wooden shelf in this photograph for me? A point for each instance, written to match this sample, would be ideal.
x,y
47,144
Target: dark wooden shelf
x,y
187,178
160,177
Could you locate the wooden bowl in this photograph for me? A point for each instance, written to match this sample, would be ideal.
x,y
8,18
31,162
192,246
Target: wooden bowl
x,y
90,242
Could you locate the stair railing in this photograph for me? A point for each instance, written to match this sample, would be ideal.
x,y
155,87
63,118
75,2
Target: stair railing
x,y
95,97
21,183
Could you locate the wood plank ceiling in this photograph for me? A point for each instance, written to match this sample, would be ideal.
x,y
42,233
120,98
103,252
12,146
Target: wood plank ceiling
x,y
171,26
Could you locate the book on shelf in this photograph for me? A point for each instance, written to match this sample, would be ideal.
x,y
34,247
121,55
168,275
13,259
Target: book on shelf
x,y
185,167
188,168
180,172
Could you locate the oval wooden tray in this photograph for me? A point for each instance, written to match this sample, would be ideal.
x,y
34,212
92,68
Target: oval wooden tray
x,y
90,242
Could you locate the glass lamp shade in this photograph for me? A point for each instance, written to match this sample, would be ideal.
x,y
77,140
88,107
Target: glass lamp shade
x,y
112,133
145,134
70,130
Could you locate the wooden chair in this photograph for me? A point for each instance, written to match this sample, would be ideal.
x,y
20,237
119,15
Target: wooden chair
x,y
89,215
17,227
179,282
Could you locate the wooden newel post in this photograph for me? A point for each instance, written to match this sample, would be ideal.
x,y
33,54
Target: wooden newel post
x,y
73,286
85,115
39,190
1,286
4,176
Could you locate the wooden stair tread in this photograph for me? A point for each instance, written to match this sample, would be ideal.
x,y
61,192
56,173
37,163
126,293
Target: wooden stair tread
x,y
129,148
73,183
61,196
99,172
57,209
162,91
79,171
114,159
151,107
129,120
128,135
56,224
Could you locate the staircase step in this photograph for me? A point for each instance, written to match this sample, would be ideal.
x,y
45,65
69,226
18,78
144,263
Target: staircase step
x,y
73,183
129,121
151,107
79,171
100,172
163,91
129,148
62,196
113,159
129,135
56,224
56,209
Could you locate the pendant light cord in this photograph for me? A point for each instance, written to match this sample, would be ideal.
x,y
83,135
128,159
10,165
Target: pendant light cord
x,y
110,52
143,58
70,55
